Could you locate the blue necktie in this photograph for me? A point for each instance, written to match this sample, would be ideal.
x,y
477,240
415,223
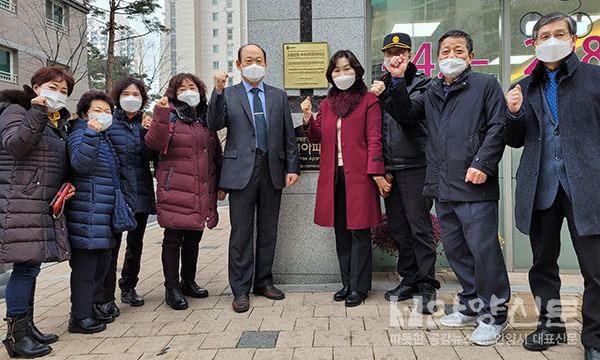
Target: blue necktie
x,y
260,122
551,94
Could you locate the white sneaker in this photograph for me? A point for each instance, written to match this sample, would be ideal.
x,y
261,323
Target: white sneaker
x,y
457,319
487,334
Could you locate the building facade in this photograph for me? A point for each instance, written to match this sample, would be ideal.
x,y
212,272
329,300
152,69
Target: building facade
x,y
204,37
32,36
502,46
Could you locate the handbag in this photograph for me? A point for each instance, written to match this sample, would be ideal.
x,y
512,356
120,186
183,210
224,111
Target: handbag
x,y
122,218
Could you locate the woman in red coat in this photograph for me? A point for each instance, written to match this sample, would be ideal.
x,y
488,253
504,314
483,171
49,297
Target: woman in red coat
x,y
187,177
348,126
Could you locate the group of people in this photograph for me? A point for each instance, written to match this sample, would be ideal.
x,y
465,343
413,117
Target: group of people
x,y
410,139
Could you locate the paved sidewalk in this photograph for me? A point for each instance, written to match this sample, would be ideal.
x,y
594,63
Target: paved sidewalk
x,y
306,325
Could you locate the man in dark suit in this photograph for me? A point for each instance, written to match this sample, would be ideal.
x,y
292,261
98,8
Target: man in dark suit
x,y
260,158
554,115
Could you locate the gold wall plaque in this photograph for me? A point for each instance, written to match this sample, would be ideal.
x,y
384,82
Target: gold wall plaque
x,y
304,65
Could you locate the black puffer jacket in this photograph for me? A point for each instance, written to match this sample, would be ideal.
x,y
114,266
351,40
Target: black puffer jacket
x,y
403,146
33,165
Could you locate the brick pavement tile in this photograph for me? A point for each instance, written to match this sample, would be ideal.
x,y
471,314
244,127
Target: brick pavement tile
x,y
273,354
313,353
335,310
312,324
186,342
332,338
295,339
203,315
204,354
219,340
210,326
277,324
408,338
362,311
352,353
394,353
433,352
237,354
370,338
477,352
243,324
177,328
346,323
298,311
262,312
150,344
114,346
76,347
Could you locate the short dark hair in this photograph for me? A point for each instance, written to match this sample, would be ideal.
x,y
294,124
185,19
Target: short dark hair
x,y
456,34
552,17
53,73
175,83
86,101
251,44
123,84
352,59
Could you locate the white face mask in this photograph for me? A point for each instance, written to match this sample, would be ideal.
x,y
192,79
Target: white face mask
x,y
553,50
104,119
190,97
452,67
131,104
344,82
254,72
56,101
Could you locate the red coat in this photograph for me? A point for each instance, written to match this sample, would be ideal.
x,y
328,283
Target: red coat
x,y
187,172
363,157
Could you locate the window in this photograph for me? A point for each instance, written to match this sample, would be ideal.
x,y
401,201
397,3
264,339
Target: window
x,y
8,5
216,65
215,2
229,50
215,16
215,49
215,32
230,34
230,17
56,16
7,66
229,3
230,66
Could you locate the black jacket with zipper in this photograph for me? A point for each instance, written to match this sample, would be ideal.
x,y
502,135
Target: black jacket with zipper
x,y
403,146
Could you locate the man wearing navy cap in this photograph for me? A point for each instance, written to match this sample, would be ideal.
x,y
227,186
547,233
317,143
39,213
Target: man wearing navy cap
x,y
406,207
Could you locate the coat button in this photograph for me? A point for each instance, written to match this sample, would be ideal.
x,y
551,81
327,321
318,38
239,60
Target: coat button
x,y
539,139
556,133
477,159
557,158
486,162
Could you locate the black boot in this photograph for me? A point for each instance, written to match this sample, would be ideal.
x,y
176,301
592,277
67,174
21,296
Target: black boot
x,y
36,334
86,326
401,293
342,294
131,297
190,288
428,299
542,339
19,341
356,298
101,315
175,299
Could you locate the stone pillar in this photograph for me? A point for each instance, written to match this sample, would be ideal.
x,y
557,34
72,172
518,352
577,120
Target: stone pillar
x,y
305,252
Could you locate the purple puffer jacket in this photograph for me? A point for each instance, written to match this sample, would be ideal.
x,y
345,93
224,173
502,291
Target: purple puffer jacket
x,y
188,169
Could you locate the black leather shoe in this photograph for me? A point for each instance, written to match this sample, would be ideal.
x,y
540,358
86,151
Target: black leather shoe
x,y
270,292
542,339
190,288
342,294
101,315
131,297
19,342
175,299
356,298
592,353
111,309
86,326
402,292
428,299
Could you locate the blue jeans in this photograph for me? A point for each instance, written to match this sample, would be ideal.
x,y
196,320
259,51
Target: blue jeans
x,y
20,289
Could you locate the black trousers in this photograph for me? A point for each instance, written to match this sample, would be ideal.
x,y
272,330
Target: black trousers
x,y
470,238
261,197
88,272
544,274
133,254
410,226
354,250
180,244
